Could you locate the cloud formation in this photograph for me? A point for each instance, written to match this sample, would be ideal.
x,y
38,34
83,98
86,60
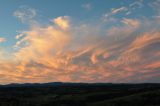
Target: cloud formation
x,y
52,53
66,51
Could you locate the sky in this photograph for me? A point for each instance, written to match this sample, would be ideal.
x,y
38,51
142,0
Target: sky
x,y
115,41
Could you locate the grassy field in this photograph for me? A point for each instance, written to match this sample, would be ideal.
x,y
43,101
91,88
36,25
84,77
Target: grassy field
x,y
80,95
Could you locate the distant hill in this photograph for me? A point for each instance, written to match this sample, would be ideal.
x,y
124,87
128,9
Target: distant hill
x,y
77,84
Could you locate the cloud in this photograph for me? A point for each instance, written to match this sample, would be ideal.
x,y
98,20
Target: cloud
x,y
25,14
96,53
137,48
126,10
131,22
60,51
62,22
155,5
109,16
64,59
117,10
19,36
136,4
145,40
2,40
87,6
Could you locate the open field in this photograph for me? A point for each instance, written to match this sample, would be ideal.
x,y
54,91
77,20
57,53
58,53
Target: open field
x,y
79,94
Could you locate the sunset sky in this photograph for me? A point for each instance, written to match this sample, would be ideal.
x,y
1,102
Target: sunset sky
x,y
114,41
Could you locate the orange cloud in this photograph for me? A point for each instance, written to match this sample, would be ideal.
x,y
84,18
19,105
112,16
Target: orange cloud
x,y
62,22
154,65
2,40
83,53
131,22
146,39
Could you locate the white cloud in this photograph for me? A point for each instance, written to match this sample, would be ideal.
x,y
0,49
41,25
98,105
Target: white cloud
x,y
136,4
25,14
117,10
108,17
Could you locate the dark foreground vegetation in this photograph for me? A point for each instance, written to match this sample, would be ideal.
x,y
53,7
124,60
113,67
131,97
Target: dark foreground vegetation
x,y
79,94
